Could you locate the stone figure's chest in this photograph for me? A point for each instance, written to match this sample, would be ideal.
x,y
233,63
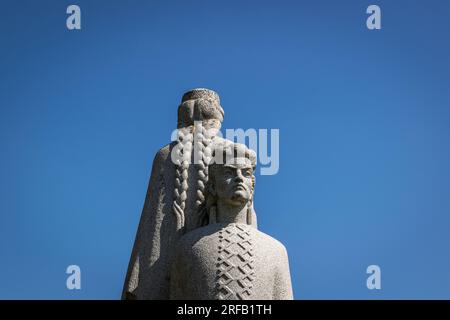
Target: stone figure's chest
x,y
231,258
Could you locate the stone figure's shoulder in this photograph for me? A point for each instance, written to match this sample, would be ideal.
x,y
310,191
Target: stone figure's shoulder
x,y
162,160
271,243
164,153
195,236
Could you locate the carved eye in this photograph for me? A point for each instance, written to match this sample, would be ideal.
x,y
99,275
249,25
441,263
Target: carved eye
x,y
246,172
228,172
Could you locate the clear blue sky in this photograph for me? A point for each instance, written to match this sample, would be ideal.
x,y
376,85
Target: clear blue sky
x,y
364,119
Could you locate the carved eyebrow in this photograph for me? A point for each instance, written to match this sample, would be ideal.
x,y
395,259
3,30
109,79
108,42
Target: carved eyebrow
x,y
230,166
237,167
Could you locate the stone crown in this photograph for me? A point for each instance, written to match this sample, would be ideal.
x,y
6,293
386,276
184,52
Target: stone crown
x,y
201,93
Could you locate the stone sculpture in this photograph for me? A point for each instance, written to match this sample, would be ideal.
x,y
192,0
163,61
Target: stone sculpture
x,y
175,203
227,259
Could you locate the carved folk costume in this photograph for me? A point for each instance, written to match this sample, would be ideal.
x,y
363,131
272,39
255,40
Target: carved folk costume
x,y
227,259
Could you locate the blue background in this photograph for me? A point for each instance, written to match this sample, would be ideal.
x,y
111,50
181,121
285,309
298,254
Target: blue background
x,y
364,119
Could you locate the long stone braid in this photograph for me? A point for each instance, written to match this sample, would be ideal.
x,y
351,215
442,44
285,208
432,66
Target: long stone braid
x,y
182,160
203,142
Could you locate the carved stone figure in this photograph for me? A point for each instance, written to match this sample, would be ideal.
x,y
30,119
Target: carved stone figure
x,y
174,195
227,258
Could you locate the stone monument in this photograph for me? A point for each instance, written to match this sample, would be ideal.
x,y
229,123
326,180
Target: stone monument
x,y
176,207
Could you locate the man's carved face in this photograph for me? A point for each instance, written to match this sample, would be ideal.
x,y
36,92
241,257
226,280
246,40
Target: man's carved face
x,y
233,183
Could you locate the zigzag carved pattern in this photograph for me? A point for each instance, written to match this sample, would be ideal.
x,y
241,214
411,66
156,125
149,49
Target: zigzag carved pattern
x,y
235,263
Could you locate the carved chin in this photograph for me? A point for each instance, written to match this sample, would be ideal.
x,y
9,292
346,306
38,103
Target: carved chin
x,y
240,196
